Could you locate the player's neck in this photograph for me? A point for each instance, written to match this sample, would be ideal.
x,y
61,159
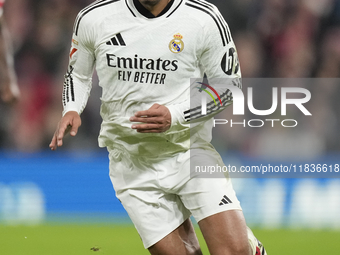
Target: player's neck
x,y
154,6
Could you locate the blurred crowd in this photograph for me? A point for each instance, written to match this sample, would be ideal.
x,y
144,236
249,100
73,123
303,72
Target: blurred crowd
x,y
290,39
41,33
274,39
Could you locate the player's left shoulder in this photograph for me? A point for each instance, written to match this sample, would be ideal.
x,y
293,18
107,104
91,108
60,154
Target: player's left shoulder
x,y
203,12
202,8
209,17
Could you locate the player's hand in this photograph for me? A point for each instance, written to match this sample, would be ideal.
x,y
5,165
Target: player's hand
x,y
155,120
69,123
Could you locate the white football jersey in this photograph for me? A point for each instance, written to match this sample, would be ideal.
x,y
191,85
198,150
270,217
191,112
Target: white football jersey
x,y
141,60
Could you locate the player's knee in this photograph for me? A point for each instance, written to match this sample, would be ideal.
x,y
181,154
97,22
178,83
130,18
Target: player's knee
x,y
192,247
194,250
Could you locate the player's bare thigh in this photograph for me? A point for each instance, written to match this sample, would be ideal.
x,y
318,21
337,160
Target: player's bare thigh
x,y
182,241
226,233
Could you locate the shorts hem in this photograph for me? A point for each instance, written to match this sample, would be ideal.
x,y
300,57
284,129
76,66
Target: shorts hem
x,y
223,209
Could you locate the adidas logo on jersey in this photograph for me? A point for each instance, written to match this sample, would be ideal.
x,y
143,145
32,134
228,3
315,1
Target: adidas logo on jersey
x,y
225,200
117,40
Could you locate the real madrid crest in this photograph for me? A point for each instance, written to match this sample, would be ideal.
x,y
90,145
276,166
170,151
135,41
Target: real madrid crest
x,y
176,45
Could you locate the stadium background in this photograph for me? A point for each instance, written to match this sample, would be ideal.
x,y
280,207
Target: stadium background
x,y
47,199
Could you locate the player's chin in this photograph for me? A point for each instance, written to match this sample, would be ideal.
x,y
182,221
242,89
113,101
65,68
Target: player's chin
x,y
149,2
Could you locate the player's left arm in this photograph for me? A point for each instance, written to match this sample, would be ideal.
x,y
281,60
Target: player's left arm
x,y
219,61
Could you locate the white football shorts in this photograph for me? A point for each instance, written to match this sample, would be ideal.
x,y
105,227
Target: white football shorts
x,y
159,194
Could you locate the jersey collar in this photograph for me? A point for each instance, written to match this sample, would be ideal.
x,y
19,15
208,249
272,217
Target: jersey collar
x,y
138,10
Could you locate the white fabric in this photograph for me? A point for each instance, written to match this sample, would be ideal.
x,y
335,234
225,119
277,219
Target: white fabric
x,y
160,194
145,71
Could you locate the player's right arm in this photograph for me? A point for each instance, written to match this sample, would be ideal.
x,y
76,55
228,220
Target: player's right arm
x,y
70,122
78,82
